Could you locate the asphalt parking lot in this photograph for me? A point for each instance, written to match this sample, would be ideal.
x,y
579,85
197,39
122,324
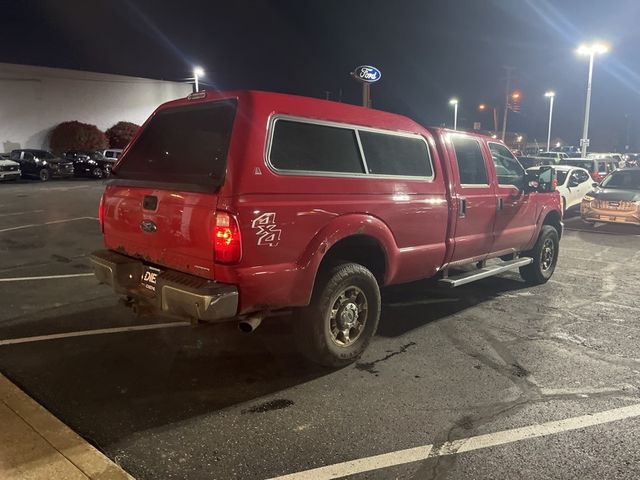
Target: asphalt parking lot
x,y
166,400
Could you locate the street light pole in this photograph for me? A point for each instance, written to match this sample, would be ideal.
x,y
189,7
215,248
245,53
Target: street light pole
x,y
551,96
585,128
454,102
590,50
197,72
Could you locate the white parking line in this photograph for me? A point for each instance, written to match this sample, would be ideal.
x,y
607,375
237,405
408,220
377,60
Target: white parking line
x,y
46,277
98,331
46,223
416,454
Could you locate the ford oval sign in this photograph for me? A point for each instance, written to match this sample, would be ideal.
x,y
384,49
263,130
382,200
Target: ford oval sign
x,y
367,73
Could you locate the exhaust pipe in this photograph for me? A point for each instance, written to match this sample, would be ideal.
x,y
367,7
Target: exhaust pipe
x,y
250,323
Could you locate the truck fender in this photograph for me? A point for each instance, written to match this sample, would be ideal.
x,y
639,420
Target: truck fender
x,y
544,212
338,229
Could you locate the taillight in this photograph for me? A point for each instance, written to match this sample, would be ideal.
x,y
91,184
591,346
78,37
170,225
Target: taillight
x,y
226,239
101,213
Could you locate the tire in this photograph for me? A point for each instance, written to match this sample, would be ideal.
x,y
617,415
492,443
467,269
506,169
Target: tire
x,y
97,173
545,256
331,331
44,175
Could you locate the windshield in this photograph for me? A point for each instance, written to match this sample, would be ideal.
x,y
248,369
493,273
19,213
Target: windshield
x,y
183,145
42,154
627,180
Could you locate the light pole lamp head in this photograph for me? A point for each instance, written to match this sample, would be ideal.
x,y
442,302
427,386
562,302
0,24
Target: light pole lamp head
x,y
453,101
592,49
198,72
482,106
550,94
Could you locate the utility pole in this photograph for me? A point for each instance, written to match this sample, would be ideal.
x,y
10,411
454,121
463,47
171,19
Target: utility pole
x,y
506,101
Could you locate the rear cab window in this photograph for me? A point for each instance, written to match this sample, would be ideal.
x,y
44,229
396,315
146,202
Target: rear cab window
x,y
184,144
303,146
471,164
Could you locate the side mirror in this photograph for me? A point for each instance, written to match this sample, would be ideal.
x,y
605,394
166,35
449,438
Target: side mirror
x,y
595,184
547,179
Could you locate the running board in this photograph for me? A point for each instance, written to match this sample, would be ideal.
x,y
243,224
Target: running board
x,y
485,272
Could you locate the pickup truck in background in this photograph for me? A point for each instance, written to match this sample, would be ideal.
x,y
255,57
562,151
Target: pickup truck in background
x,y
236,206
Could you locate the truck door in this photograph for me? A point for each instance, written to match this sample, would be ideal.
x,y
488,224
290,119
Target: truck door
x,y
516,214
476,200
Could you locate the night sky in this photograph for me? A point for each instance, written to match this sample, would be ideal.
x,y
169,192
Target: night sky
x,y
428,51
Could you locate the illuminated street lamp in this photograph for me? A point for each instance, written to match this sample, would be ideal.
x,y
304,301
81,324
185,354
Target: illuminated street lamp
x,y
197,73
550,95
482,107
454,102
590,50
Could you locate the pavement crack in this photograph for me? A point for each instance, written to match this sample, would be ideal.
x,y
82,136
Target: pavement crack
x,y
370,367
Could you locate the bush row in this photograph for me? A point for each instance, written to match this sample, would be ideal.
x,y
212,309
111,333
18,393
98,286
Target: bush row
x,y
83,136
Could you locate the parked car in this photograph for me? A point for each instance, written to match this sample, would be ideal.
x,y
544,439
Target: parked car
x,y
573,184
42,164
112,153
89,164
9,170
533,161
615,200
242,205
616,157
556,156
598,168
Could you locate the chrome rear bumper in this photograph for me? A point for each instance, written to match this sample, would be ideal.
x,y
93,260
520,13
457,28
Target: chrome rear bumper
x,y
176,293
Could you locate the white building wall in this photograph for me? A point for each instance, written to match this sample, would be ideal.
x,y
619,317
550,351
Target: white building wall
x,y
33,100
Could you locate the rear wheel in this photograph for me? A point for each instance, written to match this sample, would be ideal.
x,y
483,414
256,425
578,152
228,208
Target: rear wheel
x,y
545,256
342,318
97,172
44,175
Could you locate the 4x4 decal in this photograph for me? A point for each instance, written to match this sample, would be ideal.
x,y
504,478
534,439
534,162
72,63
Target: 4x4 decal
x,y
267,231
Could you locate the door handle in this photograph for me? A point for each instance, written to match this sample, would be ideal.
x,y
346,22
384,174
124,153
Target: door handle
x,y
500,203
462,207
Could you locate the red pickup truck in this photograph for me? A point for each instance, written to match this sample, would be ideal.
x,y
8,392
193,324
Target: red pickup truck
x,y
243,205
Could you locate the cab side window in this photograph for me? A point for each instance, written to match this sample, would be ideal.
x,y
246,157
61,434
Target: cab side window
x,y
471,166
508,169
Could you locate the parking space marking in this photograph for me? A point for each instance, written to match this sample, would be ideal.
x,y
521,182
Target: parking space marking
x,y
416,454
86,333
20,213
45,277
31,225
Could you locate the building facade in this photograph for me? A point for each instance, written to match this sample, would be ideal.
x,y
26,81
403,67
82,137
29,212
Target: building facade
x,y
33,100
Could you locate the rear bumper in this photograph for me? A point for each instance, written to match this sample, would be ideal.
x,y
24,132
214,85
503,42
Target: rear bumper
x,y
177,293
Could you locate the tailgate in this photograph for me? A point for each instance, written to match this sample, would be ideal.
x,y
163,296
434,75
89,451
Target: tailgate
x,y
170,229
160,205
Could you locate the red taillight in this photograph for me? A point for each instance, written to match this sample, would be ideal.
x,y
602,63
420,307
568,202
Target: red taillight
x,y
226,239
101,213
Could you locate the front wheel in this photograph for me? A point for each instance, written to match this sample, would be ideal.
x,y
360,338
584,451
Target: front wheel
x,y
545,256
97,173
343,316
44,175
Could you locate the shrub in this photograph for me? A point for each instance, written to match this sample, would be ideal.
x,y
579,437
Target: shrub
x,y
77,136
121,134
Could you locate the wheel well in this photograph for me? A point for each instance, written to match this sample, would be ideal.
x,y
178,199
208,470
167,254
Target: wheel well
x,y
555,220
360,249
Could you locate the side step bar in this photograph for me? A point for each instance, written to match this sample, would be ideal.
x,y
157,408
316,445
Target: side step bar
x,y
485,272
